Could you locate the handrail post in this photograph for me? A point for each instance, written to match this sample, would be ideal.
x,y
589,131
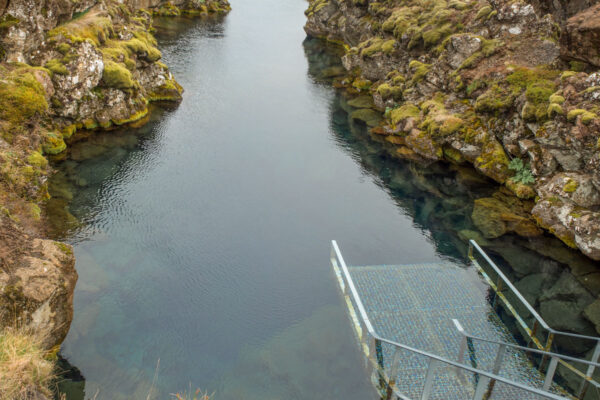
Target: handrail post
x,y
393,374
550,372
428,380
480,389
470,254
590,371
497,367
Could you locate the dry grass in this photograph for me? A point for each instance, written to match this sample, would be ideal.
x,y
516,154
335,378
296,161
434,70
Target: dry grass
x,y
24,369
191,395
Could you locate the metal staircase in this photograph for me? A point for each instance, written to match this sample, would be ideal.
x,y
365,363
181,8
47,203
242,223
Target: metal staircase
x,y
428,331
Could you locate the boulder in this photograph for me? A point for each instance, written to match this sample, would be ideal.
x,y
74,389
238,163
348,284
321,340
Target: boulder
x,y
580,39
37,281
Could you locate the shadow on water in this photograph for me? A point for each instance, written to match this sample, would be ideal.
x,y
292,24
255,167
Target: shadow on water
x,y
438,198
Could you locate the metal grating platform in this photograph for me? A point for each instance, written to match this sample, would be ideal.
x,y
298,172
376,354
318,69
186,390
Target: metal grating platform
x,y
415,304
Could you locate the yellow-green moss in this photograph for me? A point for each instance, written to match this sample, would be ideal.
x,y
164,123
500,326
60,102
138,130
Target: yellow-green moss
x,y
57,67
557,99
36,159
586,116
483,12
362,84
68,131
567,74
387,91
495,99
419,70
117,76
132,118
53,143
21,96
94,26
570,186
388,46
554,109
451,125
405,111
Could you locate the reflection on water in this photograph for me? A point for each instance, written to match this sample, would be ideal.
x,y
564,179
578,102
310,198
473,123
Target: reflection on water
x,y
202,238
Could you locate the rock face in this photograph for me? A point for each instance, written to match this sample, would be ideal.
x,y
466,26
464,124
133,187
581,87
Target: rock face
x,y
37,280
581,36
483,83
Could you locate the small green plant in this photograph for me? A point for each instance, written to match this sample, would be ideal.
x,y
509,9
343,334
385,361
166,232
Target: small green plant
x,y
522,172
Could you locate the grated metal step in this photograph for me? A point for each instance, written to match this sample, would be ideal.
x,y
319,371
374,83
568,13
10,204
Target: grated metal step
x,y
415,304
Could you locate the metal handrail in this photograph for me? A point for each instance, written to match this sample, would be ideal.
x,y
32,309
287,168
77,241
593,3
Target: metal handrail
x,y
337,259
461,330
552,333
473,244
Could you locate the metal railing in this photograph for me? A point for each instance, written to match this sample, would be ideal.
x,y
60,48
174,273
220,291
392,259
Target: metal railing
x,y
468,339
539,333
372,343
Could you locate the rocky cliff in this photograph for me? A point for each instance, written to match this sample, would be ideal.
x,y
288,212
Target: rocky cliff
x,y
65,67
507,86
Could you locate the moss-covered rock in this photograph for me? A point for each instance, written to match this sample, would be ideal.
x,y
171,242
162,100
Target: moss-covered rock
x,y
117,75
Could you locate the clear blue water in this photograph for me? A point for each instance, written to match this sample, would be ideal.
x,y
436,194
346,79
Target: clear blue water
x,y
202,239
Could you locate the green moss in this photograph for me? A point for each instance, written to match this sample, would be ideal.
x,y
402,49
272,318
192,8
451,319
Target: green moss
x,y
451,125
37,160
361,84
53,143
419,70
7,20
540,91
578,66
370,47
68,131
474,85
556,99
57,67
405,111
21,96
588,117
132,118
435,35
494,100
387,91
90,124
567,74
554,109
483,12
570,186
388,46
91,26
117,76
63,48
34,211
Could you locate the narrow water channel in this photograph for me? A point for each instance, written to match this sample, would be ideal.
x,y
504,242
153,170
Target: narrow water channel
x,y
202,239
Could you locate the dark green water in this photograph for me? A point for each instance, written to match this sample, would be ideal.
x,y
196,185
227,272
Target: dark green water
x,y
202,239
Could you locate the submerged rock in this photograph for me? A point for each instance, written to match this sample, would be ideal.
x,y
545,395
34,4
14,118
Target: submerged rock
x,y
494,218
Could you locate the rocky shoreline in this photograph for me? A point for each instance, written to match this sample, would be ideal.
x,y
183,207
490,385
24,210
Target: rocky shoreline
x,y
66,68
511,88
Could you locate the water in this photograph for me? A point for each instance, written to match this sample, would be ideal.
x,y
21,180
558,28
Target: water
x,y
202,239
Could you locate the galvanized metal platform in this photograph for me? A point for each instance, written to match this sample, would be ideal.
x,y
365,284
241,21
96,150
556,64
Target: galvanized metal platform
x,y
429,331
416,304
